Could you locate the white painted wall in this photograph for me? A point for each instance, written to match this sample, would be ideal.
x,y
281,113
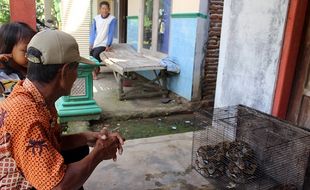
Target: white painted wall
x,y
251,41
178,6
133,7
185,6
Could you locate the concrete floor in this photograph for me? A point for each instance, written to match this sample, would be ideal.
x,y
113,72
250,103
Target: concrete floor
x,y
162,162
105,94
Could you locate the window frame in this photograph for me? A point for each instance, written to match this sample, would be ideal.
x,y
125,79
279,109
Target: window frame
x,y
153,50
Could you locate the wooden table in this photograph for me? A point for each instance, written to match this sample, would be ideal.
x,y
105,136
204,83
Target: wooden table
x,y
124,61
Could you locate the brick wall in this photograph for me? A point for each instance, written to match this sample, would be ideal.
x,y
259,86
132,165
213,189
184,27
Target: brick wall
x,y
212,50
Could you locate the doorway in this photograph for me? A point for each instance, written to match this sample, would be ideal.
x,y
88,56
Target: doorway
x,y
123,12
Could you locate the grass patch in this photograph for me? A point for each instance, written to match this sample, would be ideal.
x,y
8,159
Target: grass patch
x,y
143,128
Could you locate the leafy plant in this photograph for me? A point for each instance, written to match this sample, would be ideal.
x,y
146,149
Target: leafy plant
x,y
55,6
4,11
40,9
147,22
56,11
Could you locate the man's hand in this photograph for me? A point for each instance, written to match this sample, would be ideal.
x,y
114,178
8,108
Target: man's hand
x,y
106,149
91,137
5,57
106,143
106,146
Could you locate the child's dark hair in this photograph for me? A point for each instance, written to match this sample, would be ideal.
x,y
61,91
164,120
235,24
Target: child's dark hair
x,y
10,35
104,3
13,33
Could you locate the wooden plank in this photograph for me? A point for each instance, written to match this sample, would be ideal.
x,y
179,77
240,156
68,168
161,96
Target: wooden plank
x,y
114,67
125,57
304,115
132,69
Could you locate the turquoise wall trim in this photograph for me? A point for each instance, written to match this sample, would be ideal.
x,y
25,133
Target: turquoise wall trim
x,y
132,17
132,32
189,15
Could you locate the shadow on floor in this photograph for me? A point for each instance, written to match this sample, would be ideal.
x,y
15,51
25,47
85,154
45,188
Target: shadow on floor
x,y
106,96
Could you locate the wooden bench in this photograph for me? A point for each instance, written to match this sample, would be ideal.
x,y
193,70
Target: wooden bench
x,y
124,61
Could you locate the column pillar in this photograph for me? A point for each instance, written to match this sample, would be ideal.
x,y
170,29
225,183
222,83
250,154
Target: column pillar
x,y
23,11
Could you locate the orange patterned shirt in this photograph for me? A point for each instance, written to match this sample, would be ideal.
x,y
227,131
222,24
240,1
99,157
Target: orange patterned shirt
x,y
29,141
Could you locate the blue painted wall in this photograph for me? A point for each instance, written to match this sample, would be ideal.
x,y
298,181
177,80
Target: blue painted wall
x,y
132,32
182,42
182,51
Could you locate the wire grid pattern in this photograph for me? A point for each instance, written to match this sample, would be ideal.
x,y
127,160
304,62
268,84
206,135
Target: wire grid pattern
x,y
280,150
79,87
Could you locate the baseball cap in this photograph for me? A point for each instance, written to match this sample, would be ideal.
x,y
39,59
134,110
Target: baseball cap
x,y
56,47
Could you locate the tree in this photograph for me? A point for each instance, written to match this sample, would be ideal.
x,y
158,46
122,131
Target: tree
x,y
56,12
4,11
40,9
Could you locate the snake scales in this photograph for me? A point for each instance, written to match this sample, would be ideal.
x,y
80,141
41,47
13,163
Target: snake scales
x,y
235,159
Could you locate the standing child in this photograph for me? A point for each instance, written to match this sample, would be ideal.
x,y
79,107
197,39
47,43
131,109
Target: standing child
x,y
14,38
101,34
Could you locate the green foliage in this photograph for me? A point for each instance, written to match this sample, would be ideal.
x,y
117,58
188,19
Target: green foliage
x,y
147,22
56,12
40,9
55,6
4,11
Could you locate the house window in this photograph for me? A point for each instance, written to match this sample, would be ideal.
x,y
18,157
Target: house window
x,y
164,26
147,24
156,26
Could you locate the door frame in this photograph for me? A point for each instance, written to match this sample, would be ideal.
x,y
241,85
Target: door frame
x,y
122,23
289,55
295,110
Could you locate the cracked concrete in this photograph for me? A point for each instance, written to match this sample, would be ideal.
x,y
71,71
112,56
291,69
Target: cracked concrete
x,y
161,163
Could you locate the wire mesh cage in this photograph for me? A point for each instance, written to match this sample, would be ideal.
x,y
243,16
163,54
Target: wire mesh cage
x,y
240,148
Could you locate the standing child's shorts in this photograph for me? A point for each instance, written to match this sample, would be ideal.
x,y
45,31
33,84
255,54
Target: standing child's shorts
x,y
6,87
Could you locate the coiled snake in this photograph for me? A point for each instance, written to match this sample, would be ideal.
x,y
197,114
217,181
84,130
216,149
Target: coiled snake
x,y
235,159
